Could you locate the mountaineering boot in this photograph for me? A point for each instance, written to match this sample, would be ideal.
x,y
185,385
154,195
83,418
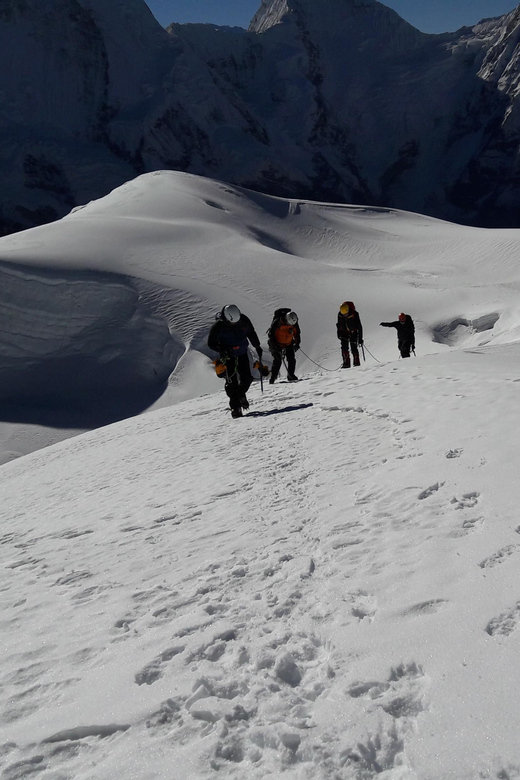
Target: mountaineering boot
x,y
356,361
244,403
345,365
236,413
272,379
292,378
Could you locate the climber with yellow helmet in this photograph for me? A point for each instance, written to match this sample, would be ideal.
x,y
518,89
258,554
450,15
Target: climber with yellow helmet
x,y
350,333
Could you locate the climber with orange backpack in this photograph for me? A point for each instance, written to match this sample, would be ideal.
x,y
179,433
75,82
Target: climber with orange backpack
x,y
350,333
284,338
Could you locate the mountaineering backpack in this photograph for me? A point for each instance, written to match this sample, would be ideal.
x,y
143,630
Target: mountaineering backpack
x,y
284,335
348,318
278,319
280,334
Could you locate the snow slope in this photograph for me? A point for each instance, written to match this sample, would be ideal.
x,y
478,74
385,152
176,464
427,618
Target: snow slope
x,y
101,306
326,588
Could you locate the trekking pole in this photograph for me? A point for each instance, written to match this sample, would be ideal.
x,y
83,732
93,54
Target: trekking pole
x,y
363,351
260,366
283,360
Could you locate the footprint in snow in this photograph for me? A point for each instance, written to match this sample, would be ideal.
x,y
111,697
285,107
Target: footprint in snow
x,y
430,491
401,696
424,608
467,501
469,524
499,557
363,605
505,623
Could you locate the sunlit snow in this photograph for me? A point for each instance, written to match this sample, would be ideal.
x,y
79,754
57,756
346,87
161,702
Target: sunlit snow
x,y
327,588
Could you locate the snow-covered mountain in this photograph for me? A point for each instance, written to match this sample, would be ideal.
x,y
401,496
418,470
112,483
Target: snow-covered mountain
x,y
325,589
346,102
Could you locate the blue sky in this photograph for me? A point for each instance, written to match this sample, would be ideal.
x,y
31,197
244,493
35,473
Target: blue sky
x,y
427,15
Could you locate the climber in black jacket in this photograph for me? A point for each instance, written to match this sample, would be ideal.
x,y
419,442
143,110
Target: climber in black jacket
x,y
405,333
229,336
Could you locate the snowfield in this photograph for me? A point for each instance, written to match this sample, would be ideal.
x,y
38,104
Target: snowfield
x,y
325,589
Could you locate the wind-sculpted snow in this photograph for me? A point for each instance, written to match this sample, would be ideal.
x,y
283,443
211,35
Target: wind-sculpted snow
x,y
78,341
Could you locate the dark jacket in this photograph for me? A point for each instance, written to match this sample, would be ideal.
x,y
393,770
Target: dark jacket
x,y
349,326
405,331
279,321
232,339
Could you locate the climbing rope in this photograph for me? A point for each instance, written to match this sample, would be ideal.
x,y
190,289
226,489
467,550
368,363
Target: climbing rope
x,y
317,364
371,355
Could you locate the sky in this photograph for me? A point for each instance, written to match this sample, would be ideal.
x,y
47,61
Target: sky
x,y
435,17
326,588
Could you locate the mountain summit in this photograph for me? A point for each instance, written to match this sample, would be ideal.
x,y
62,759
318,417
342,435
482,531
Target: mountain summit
x,y
346,102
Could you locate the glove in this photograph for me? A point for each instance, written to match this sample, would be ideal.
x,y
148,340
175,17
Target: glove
x,y
360,342
260,352
381,324
296,347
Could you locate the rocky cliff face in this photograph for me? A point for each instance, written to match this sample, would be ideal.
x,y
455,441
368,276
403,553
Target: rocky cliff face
x,y
345,103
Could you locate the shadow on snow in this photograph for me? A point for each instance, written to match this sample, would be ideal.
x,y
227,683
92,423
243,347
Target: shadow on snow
x,y
279,411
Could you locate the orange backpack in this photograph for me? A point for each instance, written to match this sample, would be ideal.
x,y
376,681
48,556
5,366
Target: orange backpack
x,y
284,334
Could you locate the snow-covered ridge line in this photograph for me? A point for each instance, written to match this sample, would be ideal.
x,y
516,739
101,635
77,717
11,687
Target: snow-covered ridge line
x,y
344,103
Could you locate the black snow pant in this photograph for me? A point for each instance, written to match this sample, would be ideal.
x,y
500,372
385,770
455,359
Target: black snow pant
x,y
238,379
404,348
278,355
345,354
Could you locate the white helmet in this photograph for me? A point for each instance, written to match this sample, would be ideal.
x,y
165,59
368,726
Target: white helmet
x,y
231,313
291,318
